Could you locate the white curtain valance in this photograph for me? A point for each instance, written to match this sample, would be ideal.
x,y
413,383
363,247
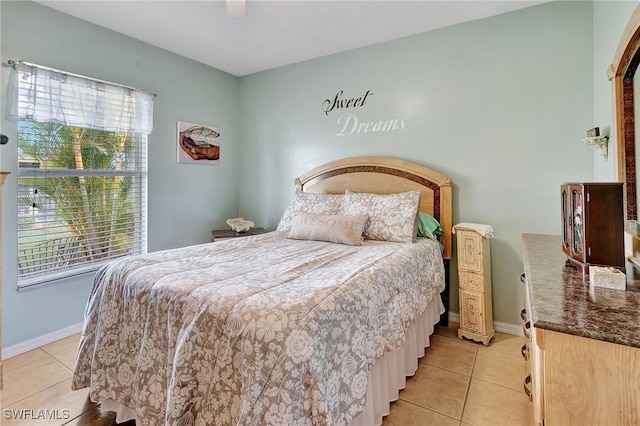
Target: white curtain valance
x,y
51,96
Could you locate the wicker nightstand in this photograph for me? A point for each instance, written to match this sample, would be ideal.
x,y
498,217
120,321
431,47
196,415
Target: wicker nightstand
x,y
223,234
474,278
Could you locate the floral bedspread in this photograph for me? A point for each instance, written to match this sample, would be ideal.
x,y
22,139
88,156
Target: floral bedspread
x,y
254,330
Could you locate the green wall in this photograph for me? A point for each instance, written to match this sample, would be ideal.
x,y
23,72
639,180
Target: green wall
x,y
184,200
500,105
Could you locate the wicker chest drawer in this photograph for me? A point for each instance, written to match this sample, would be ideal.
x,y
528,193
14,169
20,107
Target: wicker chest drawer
x,y
470,251
474,283
471,281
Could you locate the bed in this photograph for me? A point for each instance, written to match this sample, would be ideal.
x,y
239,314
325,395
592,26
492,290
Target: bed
x,y
268,329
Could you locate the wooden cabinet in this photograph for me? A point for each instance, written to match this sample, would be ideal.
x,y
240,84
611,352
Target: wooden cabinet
x,y
593,224
474,278
582,345
533,381
574,380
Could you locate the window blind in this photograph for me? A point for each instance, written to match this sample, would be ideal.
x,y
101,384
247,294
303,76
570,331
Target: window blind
x,y
82,169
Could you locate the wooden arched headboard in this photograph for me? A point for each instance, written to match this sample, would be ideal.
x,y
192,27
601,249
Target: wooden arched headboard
x,y
384,175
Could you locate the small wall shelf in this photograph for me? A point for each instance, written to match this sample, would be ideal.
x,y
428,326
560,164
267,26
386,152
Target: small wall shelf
x,y
600,143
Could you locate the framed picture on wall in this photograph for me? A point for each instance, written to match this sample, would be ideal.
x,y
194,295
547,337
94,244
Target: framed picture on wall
x,y
197,143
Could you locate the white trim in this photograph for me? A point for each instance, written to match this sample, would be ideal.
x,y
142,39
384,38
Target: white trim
x,y
502,327
39,341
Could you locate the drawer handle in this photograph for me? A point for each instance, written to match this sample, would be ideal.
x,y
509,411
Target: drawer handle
x,y
522,278
523,314
526,329
527,382
524,352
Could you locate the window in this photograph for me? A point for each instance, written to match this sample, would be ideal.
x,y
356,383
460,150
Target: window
x,y
82,168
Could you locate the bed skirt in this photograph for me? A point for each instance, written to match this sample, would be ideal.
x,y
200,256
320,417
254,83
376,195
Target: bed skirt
x,y
385,380
389,375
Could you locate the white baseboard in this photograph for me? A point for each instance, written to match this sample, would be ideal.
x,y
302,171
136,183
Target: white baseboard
x,y
45,339
502,327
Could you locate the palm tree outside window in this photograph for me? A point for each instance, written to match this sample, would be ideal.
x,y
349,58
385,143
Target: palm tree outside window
x,y
82,169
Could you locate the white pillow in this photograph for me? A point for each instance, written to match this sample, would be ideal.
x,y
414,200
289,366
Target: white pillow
x,y
333,228
309,202
392,217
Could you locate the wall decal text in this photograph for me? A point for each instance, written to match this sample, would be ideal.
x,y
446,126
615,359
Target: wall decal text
x,y
350,125
338,102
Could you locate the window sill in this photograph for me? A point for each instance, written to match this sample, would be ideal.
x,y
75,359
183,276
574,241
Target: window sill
x,y
29,283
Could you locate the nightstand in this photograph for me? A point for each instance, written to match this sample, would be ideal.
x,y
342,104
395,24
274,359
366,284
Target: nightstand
x,y
474,279
223,234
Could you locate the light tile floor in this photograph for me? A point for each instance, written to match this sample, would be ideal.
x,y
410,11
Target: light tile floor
x,y
458,383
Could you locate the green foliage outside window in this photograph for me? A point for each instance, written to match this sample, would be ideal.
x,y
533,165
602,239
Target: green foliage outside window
x,y
75,186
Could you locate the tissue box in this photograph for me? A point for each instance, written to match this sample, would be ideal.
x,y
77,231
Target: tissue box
x,y
607,277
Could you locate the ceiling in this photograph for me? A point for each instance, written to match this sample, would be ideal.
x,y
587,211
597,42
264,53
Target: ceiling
x,y
275,33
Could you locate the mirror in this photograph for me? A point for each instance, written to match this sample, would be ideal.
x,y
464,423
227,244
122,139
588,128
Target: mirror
x,y
622,72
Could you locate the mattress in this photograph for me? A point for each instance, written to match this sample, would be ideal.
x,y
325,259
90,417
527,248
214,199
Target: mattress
x,y
254,330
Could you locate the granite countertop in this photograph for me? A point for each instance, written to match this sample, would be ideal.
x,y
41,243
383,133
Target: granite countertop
x,y
561,301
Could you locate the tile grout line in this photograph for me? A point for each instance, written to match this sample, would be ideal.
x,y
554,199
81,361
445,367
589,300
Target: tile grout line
x,y
502,386
22,364
81,414
466,395
519,358
61,363
470,375
37,392
481,346
45,388
448,371
59,352
428,409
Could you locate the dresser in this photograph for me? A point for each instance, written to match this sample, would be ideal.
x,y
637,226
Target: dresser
x,y
474,283
582,344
